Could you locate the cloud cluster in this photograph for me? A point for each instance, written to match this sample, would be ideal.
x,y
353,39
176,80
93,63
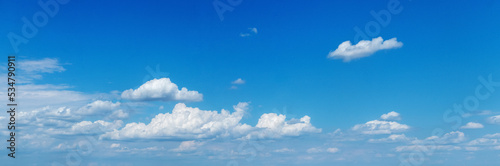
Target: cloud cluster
x,y
363,48
161,90
380,127
192,123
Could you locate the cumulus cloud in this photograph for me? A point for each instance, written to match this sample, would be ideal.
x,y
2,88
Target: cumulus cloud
x,y
272,125
192,123
238,81
391,116
380,127
363,48
472,125
161,90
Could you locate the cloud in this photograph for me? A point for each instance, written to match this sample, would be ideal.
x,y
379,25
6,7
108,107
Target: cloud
x,y
451,137
251,32
391,138
321,150
238,81
47,65
472,125
272,125
192,123
114,145
391,116
88,127
494,119
380,127
426,148
363,48
284,150
161,90
98,107
187,146
185,123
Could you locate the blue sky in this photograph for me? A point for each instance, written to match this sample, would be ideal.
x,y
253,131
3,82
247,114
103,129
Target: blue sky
x,y
115,72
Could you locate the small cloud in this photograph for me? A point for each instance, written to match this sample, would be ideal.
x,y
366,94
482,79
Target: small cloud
x,y
252,31
332,150
363,48
284,150
472,125
391,116
161,90
233,87
187,146
238,81
161,107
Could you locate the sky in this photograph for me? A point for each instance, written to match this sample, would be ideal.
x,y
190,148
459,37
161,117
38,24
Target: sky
x,y
237,82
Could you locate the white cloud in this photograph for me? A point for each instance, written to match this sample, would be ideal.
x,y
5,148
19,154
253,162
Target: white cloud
x,y
496,135
472,125
363,48
426,148
484,141
114,145
392,138
47,65
332,150
391,116
321,150
251,32
272,125
238,81
380,127
187,146
494,119
98,107
284,150
451,137
192,123
87,127
186,123
161,90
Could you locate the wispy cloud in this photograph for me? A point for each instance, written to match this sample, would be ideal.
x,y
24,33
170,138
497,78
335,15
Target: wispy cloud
x,y
251,31
363,48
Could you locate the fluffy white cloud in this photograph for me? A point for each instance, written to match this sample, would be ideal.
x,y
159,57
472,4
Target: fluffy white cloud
x,y
363,48
186,122
391,116
472,125
187,146
161,90
392,138
48,116
87,127
114,145
494,119
192,123
380,127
